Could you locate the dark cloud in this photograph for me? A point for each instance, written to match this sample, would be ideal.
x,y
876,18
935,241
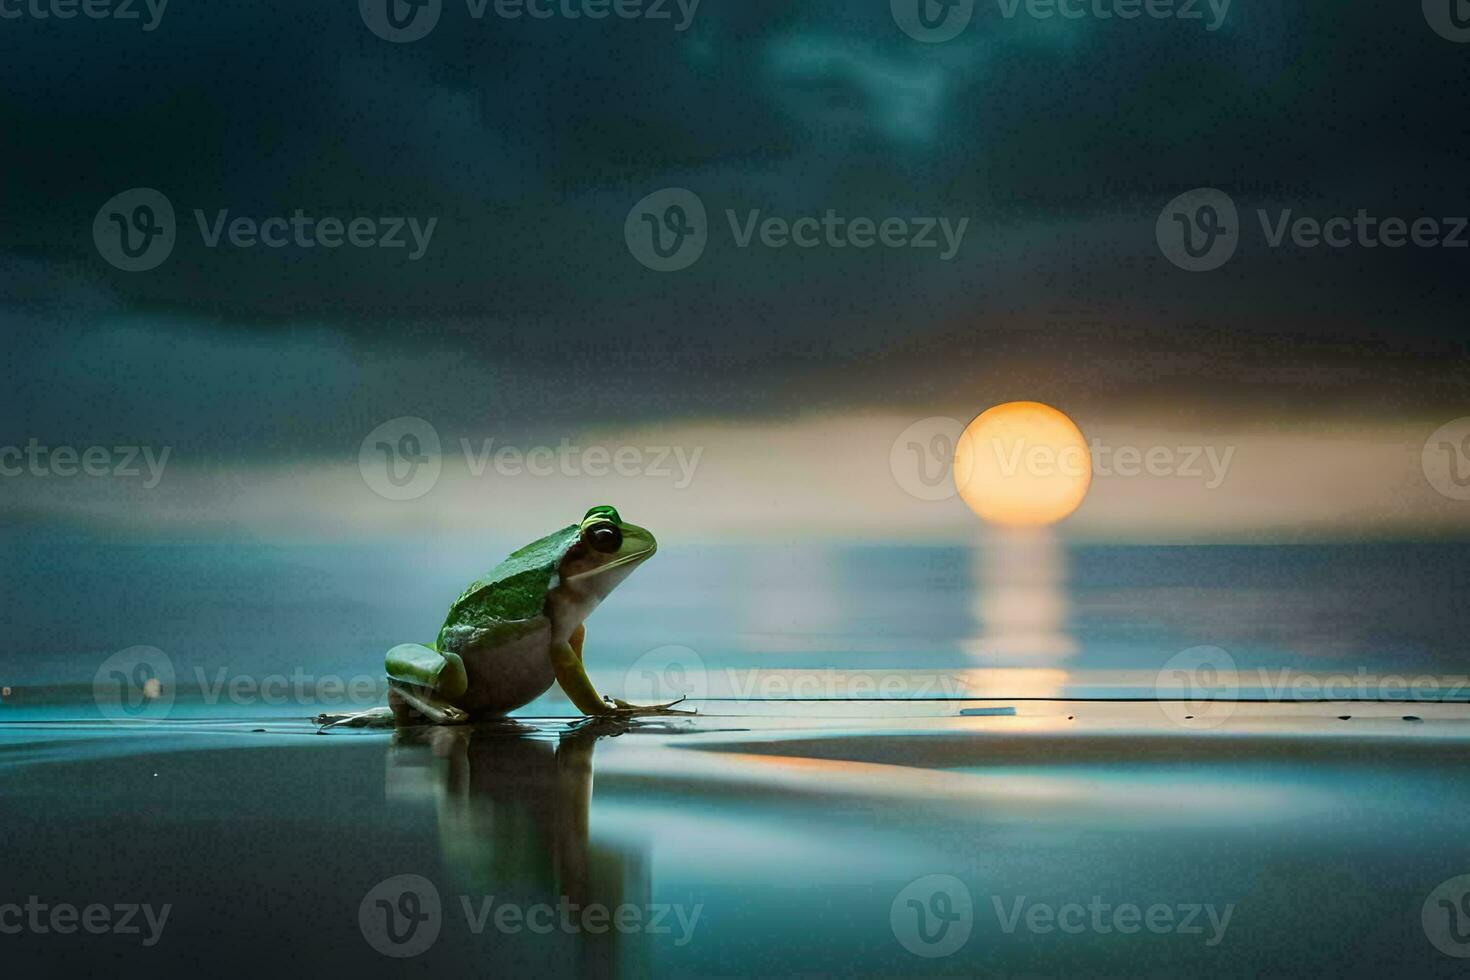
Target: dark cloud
x,y
529,141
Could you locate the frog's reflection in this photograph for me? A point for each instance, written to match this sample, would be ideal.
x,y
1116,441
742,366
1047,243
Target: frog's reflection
x,y
513,807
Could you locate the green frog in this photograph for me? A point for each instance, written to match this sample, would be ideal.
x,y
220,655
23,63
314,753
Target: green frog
x,y
519,628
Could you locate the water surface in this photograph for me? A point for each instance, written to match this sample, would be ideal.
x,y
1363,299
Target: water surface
x,y
926,766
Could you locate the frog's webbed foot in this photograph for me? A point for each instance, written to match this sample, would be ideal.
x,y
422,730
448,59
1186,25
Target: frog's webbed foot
x,y
412,704
381,717
624,709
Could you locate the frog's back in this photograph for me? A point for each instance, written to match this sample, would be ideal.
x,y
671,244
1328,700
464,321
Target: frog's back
x,y
512,595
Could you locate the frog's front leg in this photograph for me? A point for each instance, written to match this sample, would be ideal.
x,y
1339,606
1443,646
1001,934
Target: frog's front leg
x,y
573,679
566,660
426,682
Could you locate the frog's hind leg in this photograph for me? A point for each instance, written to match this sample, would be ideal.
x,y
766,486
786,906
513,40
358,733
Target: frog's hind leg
x,y
417,705
424,683
439,672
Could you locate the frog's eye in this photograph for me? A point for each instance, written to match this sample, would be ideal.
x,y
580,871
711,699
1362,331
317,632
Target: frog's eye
x,y
604,511
604,536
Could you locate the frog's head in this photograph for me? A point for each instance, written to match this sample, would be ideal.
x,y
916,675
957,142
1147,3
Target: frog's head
x,y
608,548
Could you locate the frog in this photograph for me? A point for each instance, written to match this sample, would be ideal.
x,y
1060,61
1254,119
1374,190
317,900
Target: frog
x,y
520,628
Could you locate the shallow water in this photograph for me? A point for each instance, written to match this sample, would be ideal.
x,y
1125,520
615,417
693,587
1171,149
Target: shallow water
x,y
795,831
790,838
1031,618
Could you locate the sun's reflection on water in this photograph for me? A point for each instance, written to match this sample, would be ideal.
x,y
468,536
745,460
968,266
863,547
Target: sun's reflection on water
x,y
1020,609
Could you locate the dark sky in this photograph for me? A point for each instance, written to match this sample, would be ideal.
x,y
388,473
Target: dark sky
x,y
529,141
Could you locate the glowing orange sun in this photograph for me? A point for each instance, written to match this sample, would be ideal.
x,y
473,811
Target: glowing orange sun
x,y
1022,464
